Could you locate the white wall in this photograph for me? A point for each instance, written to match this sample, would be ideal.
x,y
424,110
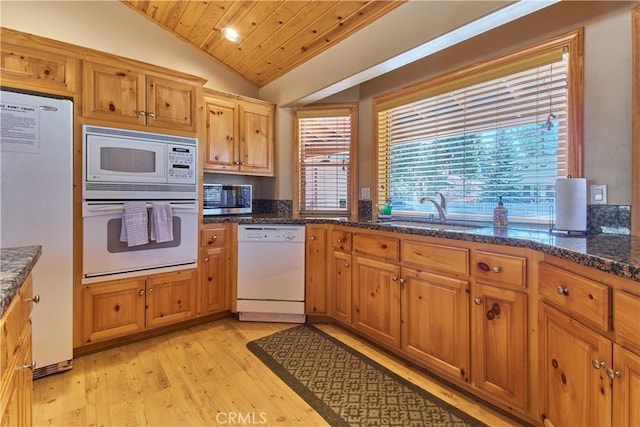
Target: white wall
x,y
113,27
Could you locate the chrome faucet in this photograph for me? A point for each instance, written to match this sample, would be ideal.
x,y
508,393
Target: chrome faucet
x,y
440,207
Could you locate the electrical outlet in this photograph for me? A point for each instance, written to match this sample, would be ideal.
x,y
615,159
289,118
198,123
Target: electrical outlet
x,y
598,195
365,193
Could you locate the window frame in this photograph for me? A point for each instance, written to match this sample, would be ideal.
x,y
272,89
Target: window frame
x,y
352,185
573,40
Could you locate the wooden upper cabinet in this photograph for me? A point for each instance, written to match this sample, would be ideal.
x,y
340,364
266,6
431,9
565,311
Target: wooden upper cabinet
x,y
239,135
256,143
221,147
36,69
125,94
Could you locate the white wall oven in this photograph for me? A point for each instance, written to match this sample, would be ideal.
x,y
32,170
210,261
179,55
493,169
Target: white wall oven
x,y
153,173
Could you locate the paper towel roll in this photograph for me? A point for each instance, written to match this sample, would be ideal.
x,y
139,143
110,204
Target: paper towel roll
x,y
571,204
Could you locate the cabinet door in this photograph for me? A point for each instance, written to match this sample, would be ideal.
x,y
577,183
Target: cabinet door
x,y
113,93
256,139
435,321
626,387
221,144
499,343
112,309
376,293
574,387
171,104
11,399
25,378
214,280
171,298
316,270
340,286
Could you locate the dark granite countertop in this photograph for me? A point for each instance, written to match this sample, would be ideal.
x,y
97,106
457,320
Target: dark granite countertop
x,y
612,253
16,264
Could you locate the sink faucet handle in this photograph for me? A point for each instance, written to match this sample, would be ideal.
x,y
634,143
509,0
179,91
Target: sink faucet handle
x,y
443,201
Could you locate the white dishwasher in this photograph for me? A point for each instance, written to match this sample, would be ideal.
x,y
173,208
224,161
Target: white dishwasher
x,y
271,273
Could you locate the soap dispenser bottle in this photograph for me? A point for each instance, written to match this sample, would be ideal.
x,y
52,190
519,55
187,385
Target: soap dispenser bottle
x,y
500,214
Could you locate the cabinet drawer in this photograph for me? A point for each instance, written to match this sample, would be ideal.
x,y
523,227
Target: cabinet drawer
x,y
445,258
214,237
384,247
578,295
341,240
498,268
626,318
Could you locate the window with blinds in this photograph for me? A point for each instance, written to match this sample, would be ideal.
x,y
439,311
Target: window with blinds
x,y
325,140
500,129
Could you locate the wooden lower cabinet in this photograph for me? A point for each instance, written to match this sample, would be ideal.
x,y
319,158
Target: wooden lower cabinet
x,y
340,287
376,299
122,307
316,270
214,280
626,387
171,297
16,363
574,387
435,321
499,343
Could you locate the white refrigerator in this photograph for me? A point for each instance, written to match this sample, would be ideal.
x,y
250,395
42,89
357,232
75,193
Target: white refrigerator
x,y
37,209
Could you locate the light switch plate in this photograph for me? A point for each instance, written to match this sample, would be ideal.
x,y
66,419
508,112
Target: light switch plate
x,y
598,194
365,193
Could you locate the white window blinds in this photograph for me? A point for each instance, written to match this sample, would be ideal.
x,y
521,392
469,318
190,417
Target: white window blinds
x,y
324,160
495,133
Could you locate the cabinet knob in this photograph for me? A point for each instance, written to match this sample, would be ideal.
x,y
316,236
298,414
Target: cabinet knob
x,y
339,240
346,265
597,364
478,301
35,299
402,281
241,163
150,290
312,238
141,292
206,259
496,269
394,278
142,113
613,374
562,290
152,115
30,366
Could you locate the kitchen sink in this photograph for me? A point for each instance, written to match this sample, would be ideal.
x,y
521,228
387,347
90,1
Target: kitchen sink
x,y
430,225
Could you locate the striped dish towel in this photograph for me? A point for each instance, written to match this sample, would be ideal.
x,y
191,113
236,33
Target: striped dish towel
x,y
161,222
135,229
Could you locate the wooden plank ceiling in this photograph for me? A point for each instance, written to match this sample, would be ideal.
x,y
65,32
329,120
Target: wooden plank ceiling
x,y
277,35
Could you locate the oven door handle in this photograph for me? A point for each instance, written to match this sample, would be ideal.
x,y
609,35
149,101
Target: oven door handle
x,y
101,208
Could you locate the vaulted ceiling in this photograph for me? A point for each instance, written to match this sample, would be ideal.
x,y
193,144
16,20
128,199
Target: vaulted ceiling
x,y
276,35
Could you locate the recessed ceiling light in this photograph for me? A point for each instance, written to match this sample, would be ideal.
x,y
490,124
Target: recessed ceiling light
x,y
230,34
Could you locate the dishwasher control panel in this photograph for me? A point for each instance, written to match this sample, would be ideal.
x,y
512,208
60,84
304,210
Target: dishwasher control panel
x,y
276,233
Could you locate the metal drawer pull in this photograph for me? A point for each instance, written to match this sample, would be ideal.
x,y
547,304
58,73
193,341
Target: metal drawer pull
x,y
562,290
478,301
598,364
35,299
613,374
141,292
496,269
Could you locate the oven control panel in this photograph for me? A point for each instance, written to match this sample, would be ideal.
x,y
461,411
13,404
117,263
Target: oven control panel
x,y
181,164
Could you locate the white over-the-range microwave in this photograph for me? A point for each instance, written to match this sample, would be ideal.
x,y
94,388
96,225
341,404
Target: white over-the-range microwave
x,y
125,164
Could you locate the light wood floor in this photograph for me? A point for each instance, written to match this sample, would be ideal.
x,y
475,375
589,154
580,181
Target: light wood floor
x,y
200,376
